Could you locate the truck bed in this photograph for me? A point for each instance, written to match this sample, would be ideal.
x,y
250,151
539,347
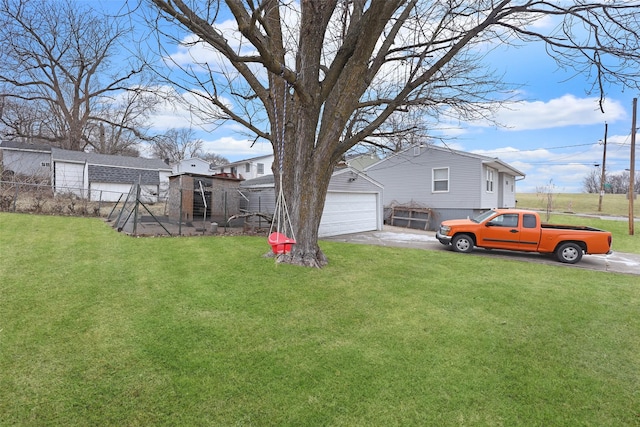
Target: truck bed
x,y
569,227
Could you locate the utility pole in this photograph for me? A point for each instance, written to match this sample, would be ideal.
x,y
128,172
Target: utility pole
x,y
604,159
632,167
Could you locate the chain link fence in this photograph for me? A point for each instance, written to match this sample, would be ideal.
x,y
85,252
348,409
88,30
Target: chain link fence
x,y
41,198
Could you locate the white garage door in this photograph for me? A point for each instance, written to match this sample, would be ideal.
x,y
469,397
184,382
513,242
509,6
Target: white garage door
x,y
346,213
108,192
69,178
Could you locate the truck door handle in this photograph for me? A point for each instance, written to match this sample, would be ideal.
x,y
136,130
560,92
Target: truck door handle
x,y
513,230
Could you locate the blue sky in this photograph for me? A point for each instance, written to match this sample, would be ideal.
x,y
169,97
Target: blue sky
x,y
554,135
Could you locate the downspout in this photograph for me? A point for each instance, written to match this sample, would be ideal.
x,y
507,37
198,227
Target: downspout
x,y
85,179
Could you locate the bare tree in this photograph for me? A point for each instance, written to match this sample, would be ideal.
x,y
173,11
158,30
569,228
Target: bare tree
x,y
215,159
123,122
591,182
318,77
176,145
614,183
618,183
57,63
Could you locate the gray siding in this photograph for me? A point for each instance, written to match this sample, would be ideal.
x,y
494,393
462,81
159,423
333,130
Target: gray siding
x,y
439,215
349,180
260,200
489,199
118,175
408,179
29,163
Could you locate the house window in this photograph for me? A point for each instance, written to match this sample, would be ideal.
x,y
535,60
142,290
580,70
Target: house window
x,y
440,180
489,180
260,168
247,167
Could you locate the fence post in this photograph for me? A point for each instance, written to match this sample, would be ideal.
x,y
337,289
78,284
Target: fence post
x,y
135,211
180,215
226,211
15,197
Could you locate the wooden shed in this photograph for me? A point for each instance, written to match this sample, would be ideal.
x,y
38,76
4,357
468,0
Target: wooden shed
x,y
192,192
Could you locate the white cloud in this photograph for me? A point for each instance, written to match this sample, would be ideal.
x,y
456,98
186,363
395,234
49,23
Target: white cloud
x,y
237,149
567,110
181,110
192,50
566,178
565,170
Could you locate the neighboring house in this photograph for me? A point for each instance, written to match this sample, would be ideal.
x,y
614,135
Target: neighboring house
x,y
193,165
452,184
27,160
105,177
362,161
248,168
96,176
353,203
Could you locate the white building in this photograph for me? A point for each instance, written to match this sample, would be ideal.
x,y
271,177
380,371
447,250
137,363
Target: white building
x,y
255,167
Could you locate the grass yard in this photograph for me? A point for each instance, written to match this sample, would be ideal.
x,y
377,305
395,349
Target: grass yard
x,y
97,328
612,204
622,241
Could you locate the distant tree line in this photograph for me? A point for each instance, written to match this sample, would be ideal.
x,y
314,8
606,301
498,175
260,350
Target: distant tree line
x,y
64,83
613,183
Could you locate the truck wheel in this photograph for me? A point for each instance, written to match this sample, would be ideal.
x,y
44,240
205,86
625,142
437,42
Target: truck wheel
x,y
569,253
462,243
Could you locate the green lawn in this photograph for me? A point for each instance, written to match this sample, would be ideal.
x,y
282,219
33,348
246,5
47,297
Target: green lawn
x,y
580,204
98,328
612,204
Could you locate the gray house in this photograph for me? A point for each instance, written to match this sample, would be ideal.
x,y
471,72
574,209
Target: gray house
x,y
29,160
447,183
353,203
95,176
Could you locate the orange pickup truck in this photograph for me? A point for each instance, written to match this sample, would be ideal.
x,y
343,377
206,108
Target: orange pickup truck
x,y
521,230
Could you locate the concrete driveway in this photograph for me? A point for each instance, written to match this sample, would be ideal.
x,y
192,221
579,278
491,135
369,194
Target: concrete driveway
x,y
616,262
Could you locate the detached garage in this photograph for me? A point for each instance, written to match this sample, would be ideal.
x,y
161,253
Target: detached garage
x,y
105,177
353,204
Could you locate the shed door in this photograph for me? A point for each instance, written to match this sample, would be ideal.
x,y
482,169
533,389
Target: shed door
x,y
69,178
346,213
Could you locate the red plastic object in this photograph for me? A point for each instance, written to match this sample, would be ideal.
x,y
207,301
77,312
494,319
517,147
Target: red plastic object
x,y
280,244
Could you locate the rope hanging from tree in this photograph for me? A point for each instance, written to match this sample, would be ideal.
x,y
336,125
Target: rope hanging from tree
x,y
281,235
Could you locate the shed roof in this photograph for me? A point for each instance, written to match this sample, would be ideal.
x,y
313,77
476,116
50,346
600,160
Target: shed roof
x,y
268,181
109,160
23,146
494,162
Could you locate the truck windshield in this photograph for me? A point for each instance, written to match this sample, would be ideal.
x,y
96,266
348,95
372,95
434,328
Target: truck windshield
x,y
483,216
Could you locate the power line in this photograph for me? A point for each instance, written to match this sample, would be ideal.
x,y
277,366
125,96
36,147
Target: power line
x,y
516,150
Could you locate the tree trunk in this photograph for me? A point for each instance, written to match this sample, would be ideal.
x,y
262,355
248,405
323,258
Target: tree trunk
x,y
307,172
306,206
